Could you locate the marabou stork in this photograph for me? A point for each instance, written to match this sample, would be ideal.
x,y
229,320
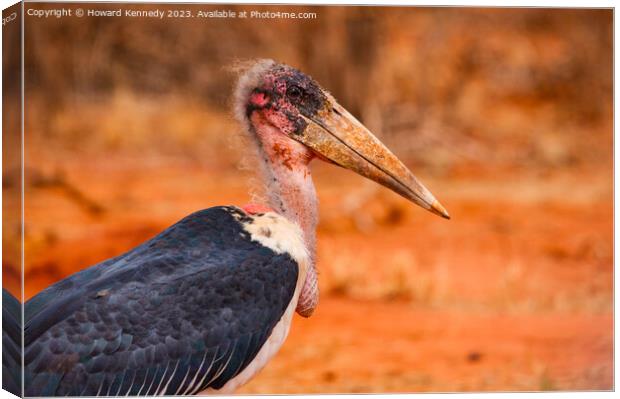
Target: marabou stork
x,y
205,304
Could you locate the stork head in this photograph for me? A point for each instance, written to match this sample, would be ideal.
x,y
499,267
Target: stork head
x,y
278,100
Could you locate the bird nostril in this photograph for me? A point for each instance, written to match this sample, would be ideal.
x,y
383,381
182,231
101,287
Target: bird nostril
x,y
300,126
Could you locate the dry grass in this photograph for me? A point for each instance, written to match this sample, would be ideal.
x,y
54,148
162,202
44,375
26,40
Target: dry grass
x,y
448,88
368,274
167,126
365,274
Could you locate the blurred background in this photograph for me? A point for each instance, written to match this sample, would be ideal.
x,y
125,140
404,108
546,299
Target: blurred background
x,y
505,114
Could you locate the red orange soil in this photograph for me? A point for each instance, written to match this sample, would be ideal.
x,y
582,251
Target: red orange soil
x,y
360,346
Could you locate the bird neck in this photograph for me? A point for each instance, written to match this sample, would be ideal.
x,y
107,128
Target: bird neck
x,y
287,178
290,191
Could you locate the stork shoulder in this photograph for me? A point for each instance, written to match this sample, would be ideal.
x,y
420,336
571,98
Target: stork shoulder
x,y
279,234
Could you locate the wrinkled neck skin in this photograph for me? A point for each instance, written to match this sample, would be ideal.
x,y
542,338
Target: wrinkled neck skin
x,y
285,169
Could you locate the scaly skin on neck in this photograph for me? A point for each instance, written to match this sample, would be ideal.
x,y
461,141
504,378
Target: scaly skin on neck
x,y
286,173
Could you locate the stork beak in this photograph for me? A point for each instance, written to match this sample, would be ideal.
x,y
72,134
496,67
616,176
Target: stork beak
x,y
335,134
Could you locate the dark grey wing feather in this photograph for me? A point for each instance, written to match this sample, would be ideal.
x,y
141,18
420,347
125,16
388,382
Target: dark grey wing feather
x,y
185,311
11,343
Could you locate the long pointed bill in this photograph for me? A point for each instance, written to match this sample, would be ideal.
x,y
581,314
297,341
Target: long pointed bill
x,y
336,135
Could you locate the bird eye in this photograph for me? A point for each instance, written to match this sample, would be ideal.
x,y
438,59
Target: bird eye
x,y
294,92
